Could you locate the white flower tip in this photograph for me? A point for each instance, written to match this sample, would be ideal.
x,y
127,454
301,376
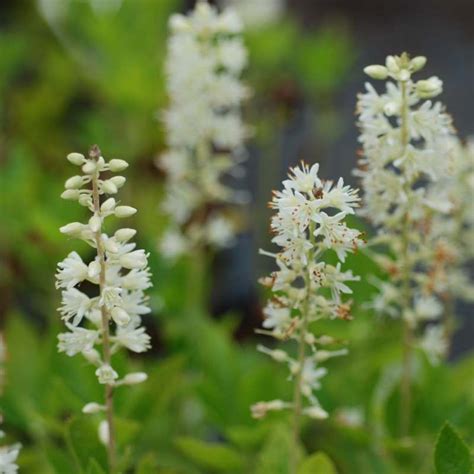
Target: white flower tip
x,y
418,63
135,378
89,167
71,229
76,159
95,223
109,187
376,72
124,211
124,235
316,412
103,432
91,408
108,205
116,165
119,181
74,183
70,194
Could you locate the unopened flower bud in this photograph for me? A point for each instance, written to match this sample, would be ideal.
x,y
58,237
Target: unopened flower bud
x,y
376,71
429,88
134,378
119,181
125,211
392,64
103,432
92,356
89,167
95,223
91,408
123,235
71,229
316,412
71,194
117,165
418,63
108,205
120,316
76,159
109,187
74,183
85,200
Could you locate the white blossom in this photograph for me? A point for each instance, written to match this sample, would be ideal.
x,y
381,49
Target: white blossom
x,y
204,129
308,224
8,457
407,146
98,326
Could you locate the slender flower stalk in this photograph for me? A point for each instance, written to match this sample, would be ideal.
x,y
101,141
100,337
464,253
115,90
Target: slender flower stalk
x,y
121,276
309,223
406,139
204,130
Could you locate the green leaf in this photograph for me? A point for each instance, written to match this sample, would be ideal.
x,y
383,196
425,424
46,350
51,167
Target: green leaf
x,y
211,455
318,463
94,467
126,430
276,452
451,453
83,440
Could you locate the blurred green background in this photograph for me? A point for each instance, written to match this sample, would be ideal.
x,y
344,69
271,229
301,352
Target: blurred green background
x,y
77,72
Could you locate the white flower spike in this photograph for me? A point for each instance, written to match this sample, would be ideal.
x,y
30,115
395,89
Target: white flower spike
x,y
308,223
407,143
100,325
204,130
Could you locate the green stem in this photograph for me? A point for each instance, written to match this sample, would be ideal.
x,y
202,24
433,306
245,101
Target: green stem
x,y
297,395
107,355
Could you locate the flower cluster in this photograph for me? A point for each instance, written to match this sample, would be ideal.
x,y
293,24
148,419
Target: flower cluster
x,y
309,222
110,288
205,133
451,237
407,142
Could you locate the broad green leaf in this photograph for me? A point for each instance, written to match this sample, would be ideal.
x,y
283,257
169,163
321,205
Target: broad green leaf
x,y
451,453
212,456
318,463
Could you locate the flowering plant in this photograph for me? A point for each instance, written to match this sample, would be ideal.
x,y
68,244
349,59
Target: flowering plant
x,y
120,274
204,130
309,221
407,141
